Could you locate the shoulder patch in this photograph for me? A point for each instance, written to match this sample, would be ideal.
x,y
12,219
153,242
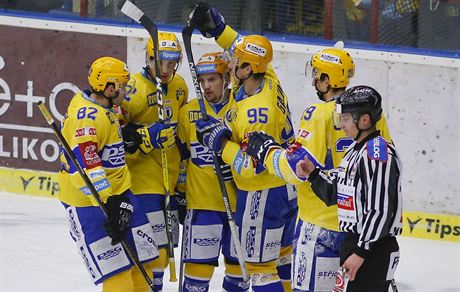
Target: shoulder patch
x,y
377,149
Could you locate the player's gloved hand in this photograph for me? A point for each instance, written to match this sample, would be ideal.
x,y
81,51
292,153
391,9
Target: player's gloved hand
x,y
211,132
259,145
131,139
181,205
155,136
119,210
225,169
207,19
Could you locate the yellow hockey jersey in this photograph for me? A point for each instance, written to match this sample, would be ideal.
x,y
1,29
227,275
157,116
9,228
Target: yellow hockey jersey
x,y
202,186
93,133
267,111
140,108
326,147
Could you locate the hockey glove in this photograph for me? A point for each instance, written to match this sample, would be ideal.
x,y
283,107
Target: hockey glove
x,y
211,132
225,169
259,145
181,205
208,20
119,211
131,139
156,136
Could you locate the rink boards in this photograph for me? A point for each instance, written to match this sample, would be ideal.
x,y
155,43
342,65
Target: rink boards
x,y
415,224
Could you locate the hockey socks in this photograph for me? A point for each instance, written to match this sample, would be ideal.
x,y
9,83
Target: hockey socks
x,y
197,277
283,266
264,277
233,280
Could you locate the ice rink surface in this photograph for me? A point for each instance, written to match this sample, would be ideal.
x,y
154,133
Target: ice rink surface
x,y
37,254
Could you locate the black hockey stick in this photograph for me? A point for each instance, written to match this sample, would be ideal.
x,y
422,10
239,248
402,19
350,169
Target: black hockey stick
x,y
133,12
187,39
93,190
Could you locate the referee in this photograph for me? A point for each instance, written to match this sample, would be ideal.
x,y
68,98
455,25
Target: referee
x,y
367,190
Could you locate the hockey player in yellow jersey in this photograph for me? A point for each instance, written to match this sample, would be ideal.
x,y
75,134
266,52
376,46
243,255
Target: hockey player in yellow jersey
x,y
92,130
317,239
206,225
140,111
266,206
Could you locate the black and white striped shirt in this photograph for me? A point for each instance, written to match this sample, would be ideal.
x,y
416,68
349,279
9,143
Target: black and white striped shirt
x,y
367,190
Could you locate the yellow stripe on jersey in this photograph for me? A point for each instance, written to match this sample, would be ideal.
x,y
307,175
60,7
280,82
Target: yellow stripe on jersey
x,y
141,107
93,133
202,187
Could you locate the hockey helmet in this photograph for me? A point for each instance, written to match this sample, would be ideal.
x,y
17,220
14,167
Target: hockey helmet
x,y
169,47
107,70
212,63
336,63
359,100
255,50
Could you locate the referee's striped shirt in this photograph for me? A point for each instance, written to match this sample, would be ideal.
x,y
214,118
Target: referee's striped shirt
x,y
371,170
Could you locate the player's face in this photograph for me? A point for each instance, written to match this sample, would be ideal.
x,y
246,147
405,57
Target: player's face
x,y
119,95
212,85
167,68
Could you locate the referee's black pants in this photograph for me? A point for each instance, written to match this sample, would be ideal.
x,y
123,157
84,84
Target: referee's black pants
x,y
378,268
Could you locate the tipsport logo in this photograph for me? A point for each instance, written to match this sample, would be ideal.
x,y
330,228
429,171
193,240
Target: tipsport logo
x,y
433,226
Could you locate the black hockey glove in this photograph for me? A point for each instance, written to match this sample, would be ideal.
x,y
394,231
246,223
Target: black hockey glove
x,y
259,144
119,210
131,139
207,19
181,205
225,169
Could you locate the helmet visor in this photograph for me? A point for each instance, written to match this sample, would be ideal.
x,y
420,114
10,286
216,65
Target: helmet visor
x,y
310,71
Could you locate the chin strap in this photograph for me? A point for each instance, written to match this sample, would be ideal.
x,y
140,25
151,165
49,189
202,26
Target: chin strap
x,y
360,131
319,93
236,74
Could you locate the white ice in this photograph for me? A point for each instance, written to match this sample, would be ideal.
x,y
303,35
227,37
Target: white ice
x,y
37,254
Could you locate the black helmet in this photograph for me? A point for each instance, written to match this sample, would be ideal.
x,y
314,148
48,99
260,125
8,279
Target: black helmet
x,y
360,100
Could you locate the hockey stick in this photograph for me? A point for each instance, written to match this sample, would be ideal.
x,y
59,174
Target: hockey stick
x,y
93,190
187,39
133,12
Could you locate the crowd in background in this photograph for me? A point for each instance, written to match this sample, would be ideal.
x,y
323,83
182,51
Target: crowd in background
x,y
430,24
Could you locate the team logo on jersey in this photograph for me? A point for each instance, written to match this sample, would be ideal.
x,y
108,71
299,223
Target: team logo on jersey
x,y
301,269
89,154
305,134
194,116
251,241
200,155
377,149
345,201
255,204
152,99
180,92
206,241
110,253
113,155
80,132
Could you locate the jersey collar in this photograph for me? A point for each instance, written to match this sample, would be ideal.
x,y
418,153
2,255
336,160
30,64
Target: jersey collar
x,y
241,94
